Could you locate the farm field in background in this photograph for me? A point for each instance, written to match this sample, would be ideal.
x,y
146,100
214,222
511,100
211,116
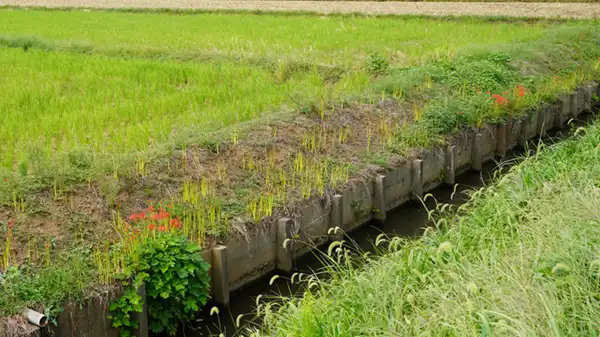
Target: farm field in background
x,y
344,42
117,126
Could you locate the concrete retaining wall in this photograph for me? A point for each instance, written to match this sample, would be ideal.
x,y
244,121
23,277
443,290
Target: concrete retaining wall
x,y
88,318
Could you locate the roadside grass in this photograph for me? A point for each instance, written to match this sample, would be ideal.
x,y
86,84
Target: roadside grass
x,y
520,259
344,42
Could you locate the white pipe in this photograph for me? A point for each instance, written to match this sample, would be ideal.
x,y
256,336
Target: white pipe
x,y
36,318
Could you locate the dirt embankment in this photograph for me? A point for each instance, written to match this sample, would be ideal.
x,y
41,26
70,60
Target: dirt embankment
x,y
563,10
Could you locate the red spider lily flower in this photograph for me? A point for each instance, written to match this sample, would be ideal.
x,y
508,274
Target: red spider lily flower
x,y
521,91
154,217
151,209
500,100
151,226
162,228
162,215
175,223
10,223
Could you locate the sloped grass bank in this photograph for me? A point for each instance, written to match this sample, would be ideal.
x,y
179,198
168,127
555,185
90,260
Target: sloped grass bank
x,y
520,259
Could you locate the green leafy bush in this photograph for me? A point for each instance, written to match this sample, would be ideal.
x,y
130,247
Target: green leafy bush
x,y
377,64
176,279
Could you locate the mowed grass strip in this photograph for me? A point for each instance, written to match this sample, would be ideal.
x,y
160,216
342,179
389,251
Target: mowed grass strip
x,y
55,103
328,40
521,259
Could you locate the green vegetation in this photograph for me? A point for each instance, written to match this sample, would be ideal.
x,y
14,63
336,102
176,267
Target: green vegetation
x,y
487,85
121,127
69,112
70,274
329,40
520,259
176,281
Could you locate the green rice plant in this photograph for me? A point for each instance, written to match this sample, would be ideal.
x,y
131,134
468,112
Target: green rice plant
x,y
335,41
154,107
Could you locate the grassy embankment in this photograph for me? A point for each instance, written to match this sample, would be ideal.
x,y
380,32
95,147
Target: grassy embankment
x,y
520,259
134,123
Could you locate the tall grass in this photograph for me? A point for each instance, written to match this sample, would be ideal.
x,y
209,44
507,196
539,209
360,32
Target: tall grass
x,y
520,259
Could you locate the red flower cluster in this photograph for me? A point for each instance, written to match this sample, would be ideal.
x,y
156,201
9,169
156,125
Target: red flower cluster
x,y
135,217
165,219
521,90
161,215
499,99
175,223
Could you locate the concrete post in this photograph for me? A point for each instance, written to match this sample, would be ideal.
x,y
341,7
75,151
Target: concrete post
x,y
589,92
336,218
477,157
142,317
379,213
501,139
417,179
524,137
564,112
285,244
574,105
449,165
544,123
220,280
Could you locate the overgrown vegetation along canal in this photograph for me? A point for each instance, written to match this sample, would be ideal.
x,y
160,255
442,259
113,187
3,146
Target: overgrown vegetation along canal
x,y
115,141
520,259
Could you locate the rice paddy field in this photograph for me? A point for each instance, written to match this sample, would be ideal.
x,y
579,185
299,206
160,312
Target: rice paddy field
x,y
119,125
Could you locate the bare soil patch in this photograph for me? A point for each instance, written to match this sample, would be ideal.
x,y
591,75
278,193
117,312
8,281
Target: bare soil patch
x,y
550,10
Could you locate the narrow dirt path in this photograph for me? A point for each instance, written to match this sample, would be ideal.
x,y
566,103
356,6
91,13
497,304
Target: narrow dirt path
x,y
563,10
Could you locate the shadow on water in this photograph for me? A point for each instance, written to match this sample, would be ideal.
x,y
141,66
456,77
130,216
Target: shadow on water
x,y
408,220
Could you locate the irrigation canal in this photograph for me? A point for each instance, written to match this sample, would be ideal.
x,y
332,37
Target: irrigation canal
x,y
408,220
